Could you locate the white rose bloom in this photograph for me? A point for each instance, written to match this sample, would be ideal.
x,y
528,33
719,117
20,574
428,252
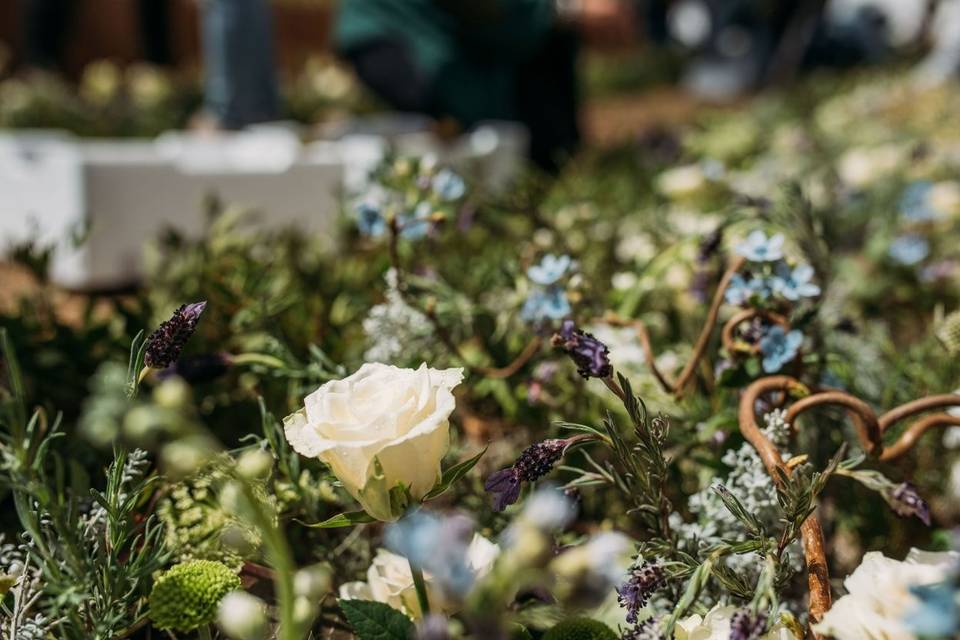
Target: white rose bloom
x,y
380,427
716,626
389,579
879,595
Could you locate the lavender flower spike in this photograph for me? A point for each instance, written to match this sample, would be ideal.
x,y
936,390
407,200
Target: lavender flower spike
x,y
536,461
165,344
589,354
746,626
906,501
634,594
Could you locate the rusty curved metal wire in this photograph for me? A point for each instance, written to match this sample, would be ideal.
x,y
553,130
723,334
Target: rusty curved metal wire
x,y
678,387
870,429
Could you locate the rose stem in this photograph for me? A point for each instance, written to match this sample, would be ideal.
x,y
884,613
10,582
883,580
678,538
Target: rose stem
x,y
421,587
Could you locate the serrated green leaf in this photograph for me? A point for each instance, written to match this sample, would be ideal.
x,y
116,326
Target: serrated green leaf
x,y
453,474
343,520
376,621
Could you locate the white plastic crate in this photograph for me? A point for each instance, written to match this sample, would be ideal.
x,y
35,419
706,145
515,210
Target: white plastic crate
x,y
118,194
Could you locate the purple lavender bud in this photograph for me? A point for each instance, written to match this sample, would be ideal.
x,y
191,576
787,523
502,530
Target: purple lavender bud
x,y
536,461
165,344
906,502
642,581
589,354
745,626
504,486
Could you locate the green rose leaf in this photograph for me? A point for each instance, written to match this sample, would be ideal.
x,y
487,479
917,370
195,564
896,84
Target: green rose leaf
x,y
453,474
376,620
343,520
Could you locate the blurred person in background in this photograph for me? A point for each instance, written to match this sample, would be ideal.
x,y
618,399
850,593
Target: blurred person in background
x,y
154,18
240,77
474,60
47,26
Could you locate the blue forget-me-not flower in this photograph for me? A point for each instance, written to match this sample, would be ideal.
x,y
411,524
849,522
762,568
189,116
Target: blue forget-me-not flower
x,y
795,283
778,347
909,250
759,248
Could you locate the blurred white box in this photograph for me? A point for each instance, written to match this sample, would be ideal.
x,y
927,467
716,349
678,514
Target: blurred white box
x,y
119,194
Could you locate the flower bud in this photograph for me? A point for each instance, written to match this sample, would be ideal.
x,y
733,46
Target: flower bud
x,y
304,611
243,616
313,582
589,354
172,393
145,425
239,540
186,456
187,596
165,344
254,465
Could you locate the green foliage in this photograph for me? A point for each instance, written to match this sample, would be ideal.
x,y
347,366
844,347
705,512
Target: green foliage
x,y
580,629
195,522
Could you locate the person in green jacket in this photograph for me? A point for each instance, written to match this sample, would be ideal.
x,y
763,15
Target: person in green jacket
x,y
473,60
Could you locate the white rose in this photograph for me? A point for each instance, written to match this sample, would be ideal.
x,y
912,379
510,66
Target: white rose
x,y
389,579
716,626
379,428
879,595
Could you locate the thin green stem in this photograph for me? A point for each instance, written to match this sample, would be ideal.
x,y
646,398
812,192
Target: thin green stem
x,y
281,558
421,586
258,358
203,632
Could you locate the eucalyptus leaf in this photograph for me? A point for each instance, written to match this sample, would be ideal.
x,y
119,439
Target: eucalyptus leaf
x,y
343,520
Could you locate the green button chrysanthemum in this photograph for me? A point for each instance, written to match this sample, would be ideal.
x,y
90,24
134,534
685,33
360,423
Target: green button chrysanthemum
x,y
187,596
580,629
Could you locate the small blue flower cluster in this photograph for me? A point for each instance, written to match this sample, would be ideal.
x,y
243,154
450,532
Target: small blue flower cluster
x,y
548,300
771,281
773,276
414,210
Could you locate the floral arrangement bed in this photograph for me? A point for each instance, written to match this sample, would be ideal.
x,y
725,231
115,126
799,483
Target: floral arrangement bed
x,y
143,101
700,386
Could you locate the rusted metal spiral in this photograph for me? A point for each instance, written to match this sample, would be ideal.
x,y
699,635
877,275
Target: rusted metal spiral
x,y
870,429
